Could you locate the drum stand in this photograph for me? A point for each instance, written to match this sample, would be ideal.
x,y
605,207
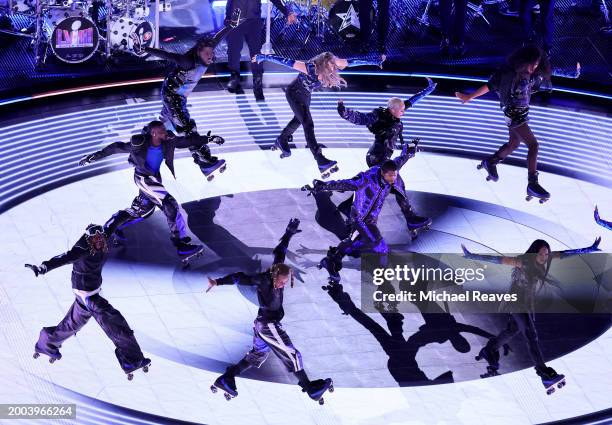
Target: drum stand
x,y
607,29
319,23
473,9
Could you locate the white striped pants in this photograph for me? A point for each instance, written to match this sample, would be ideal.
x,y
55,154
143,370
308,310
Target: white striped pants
x,y
272,336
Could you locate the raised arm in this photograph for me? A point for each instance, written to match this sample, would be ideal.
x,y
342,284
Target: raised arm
x,y
289,63
79,250
431,86
113,148
281,249
578,251
600,221
407,152
497,259
356,117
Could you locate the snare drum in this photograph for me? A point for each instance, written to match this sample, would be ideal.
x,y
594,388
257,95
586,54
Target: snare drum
x,y
131,35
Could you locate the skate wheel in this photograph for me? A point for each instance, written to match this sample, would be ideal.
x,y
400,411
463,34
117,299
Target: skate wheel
x,y
273,148
36,355
478,358
479,167
222,169
550,391
335,169
145,369
324,176
489,178
52,360
321,401
227,396
543,200
210,178
213,389
528,198
331,388
130,376
561,384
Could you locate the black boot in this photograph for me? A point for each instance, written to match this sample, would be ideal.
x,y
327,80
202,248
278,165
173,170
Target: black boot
x,y
534,189
233,86
303,380
258,87
332,263
490,165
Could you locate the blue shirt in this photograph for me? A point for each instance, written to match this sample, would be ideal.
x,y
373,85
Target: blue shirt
x,y
155,156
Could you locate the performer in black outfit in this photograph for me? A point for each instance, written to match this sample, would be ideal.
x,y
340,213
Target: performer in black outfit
x,y
321,71
268,330
88,256
146,152
382,24
179,84
251,31
452,21
371,187
526,71
528,277
547,8
387,127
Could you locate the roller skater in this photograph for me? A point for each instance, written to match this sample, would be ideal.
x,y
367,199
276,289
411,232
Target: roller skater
x,y
88,256
387,127
528,277
526,71
370,189
180,82
146,152
320,71
600,221
269,334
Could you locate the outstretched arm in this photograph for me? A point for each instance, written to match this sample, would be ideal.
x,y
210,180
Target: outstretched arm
x,y
77,251
181,60
347,185
600,221
578,251
431,86
356,117
407,152
197,140
351,63
497,259
281,249
239,278
289,63
465,98
113,148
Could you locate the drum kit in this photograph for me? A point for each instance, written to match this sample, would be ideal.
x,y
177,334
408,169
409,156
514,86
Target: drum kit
x,y
73,31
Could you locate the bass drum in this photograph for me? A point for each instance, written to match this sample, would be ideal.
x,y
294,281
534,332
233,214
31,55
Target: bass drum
x,y
344,18
72,35
131,35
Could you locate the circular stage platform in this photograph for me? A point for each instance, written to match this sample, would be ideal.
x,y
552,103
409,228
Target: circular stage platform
x,y
391,368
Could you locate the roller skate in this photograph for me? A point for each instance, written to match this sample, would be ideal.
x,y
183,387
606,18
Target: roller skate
x,y
534,190
282,143
317,389
119,238
143,364
490,166
417,224
550,379
186,250
332,264
53,353
492,358
212,167
227,384
327,167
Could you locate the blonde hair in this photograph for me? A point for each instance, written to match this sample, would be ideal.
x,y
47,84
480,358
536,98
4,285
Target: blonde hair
x,y
328,78
281,269
395,103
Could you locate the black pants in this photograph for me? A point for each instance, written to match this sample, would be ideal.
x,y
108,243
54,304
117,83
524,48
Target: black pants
x,y
370,240
453,25
547,8
251,31
299,101
521,323
365,9
110,320
175,112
